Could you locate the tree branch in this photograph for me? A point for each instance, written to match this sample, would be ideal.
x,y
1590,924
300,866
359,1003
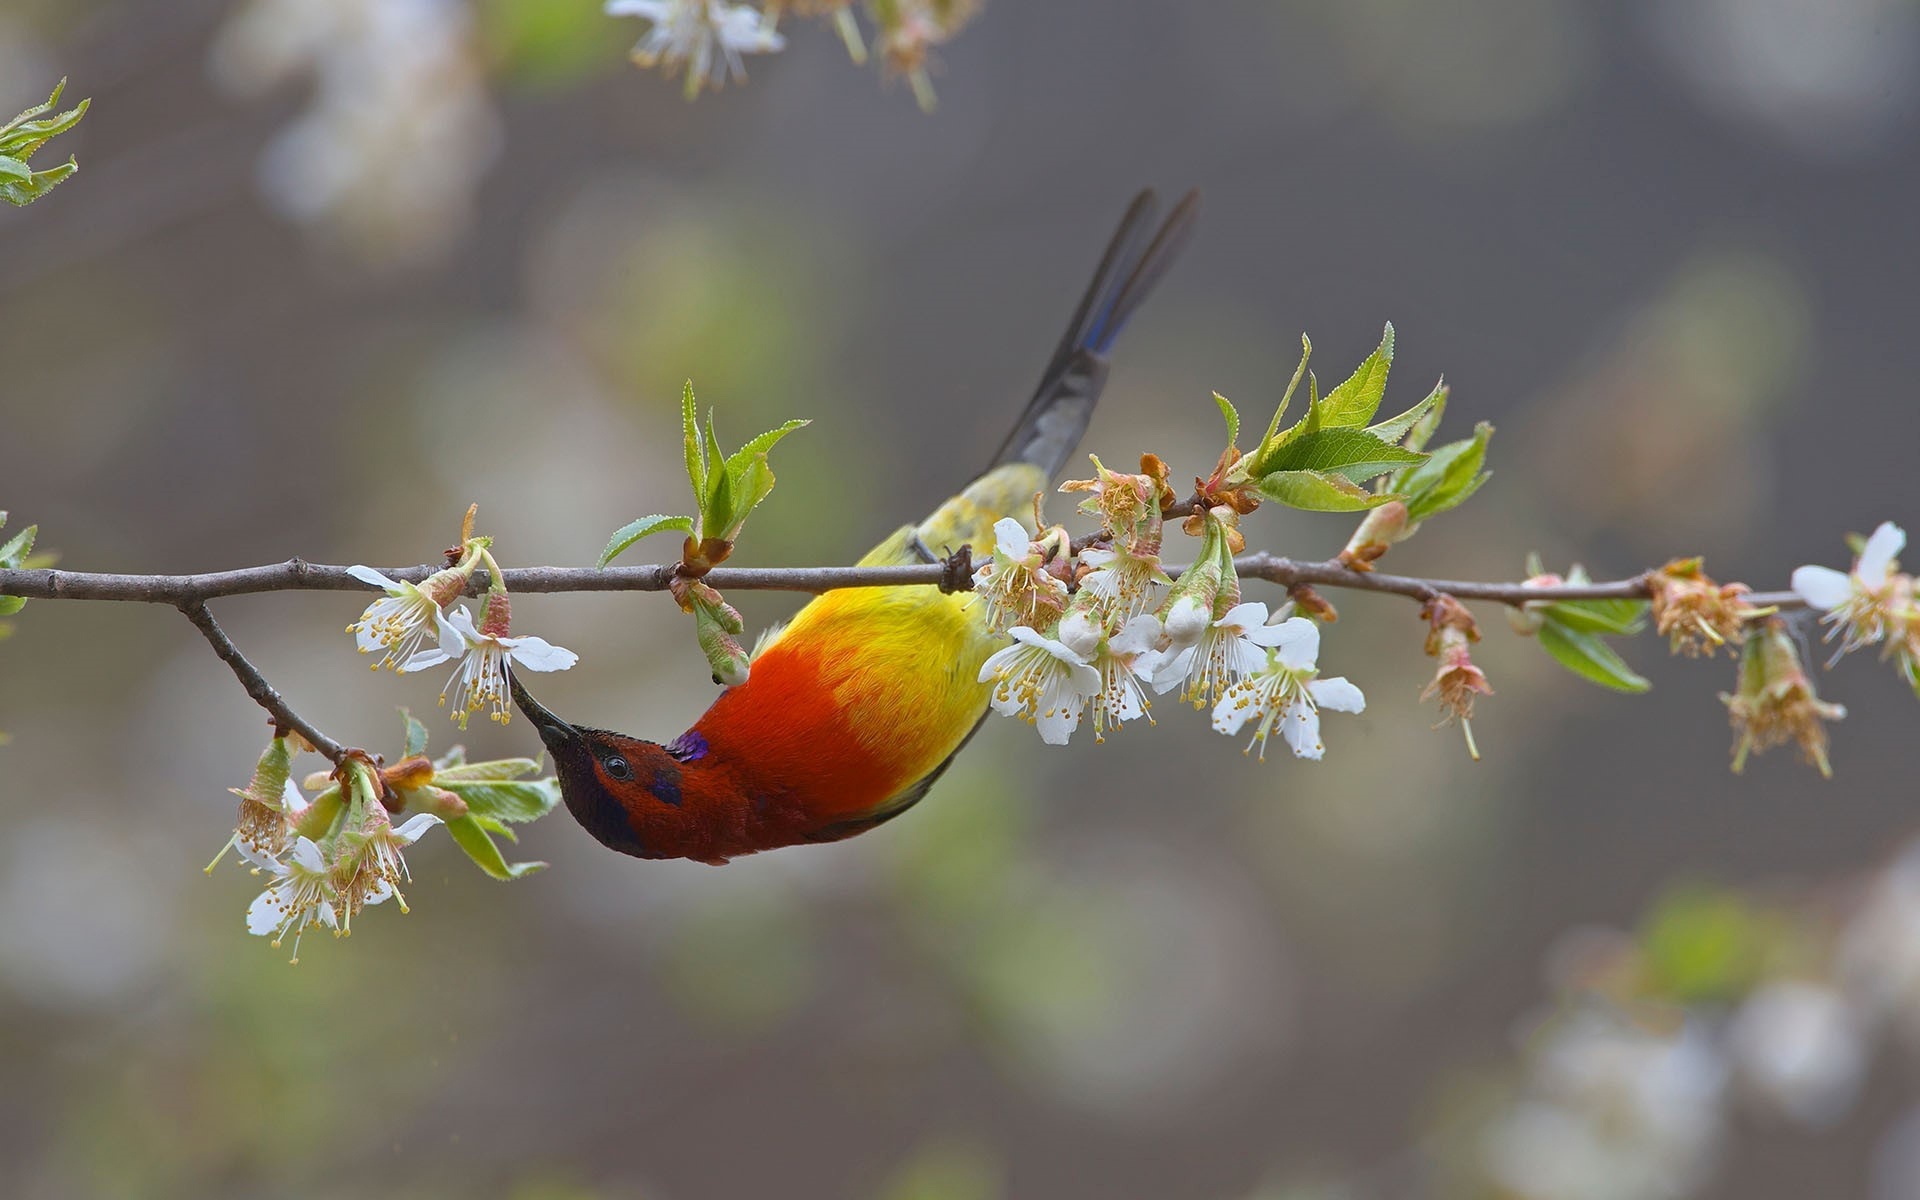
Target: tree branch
x,y
296,574
285,720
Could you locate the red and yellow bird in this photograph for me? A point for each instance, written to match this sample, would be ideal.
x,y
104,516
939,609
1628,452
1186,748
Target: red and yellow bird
x,y
853,711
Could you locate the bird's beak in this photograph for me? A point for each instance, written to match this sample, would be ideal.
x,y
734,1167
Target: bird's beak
x,y
556,733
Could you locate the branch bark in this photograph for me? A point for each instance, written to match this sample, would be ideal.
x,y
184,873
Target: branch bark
x,y
299,575
285,720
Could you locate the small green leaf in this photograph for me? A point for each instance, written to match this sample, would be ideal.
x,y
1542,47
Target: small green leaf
x,y
486,772
1590,658
1355,401
1354,453
10,605
471,836
495,826
18,547
742,459
1394,428
633,531
1616,617
1450,475
717,516
518,800
1318,492
696,447
1233,418
416,736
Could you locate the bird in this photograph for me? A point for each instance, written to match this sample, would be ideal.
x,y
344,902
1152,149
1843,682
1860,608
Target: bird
x,y
852,712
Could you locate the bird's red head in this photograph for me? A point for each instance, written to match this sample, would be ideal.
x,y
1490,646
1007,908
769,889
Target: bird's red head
x,y
616,786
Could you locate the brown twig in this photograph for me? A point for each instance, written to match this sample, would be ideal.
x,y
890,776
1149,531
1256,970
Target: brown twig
x,y
298,575
285,720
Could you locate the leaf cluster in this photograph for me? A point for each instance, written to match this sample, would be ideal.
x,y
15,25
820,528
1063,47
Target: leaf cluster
x,y
726,490
17,552
1573,632
20,184
1320,462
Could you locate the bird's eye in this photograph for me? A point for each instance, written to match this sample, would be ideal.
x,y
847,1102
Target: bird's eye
x,y
617,767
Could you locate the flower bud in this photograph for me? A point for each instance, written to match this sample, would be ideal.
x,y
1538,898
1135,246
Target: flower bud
x,y
1380,529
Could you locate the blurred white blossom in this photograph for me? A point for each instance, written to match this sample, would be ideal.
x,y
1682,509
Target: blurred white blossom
x,y
1798,1047
387,155
706,38
1612,1112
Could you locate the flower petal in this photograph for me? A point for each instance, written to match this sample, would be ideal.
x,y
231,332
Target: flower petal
x,y
997,661
1876,557
307,855
1235,708
1337,695
265,914
1822,587
369,575
1010,539
538,654
409,831
1300,725
1249,615
1170,669
425,659
1296,642
1139,635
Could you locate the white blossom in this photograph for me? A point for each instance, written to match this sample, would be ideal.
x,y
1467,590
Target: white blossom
x,y
1862,606
1222,653
1286,690
691,33
1041,681
480,681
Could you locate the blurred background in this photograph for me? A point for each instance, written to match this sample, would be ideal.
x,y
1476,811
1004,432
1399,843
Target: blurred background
x,y
331,272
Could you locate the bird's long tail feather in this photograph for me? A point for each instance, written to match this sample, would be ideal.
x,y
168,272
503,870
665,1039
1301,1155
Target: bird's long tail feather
x,y
1062,405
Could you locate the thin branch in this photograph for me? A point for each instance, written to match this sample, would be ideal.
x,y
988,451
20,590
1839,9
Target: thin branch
x,y
285,720
299,575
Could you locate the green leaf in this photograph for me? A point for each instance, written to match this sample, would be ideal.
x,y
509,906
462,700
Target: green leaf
x,y
18,547
495,826
1590,658
10,605
1355,401
486,772
696,447
416,736
14,169
471,836
1450,475
1318,492
520,800
633,531
1233,418
1394,428
1617,617
1354,453
742,459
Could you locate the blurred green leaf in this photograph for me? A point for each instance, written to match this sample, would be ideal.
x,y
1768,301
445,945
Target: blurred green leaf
x,y
1590,658
471,836
1707,944
545,44
944,1170
1355,401
1318,492
10,605
633,531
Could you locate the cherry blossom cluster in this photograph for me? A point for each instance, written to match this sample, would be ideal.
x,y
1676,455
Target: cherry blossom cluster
x,y
1095,631
399,624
